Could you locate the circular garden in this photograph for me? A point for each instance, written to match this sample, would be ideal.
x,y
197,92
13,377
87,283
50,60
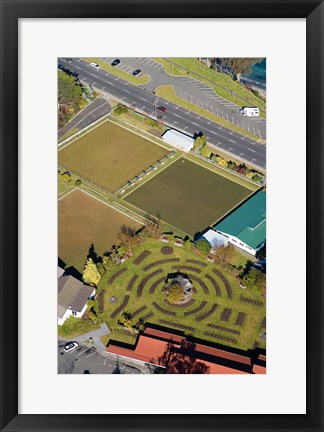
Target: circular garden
x,y
177,289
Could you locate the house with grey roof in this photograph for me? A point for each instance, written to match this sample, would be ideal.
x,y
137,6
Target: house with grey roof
x,y
72,298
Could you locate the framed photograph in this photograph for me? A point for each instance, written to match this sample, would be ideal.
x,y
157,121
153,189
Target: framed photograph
x,y
161,209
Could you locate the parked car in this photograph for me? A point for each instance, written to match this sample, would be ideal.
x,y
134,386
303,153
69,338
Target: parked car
x,y
70,346
162,109
94,65
115,62
136,72
60,66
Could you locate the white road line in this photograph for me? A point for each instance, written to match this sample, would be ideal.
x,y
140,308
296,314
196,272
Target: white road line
x,y
195,123
93,353
232,141
141,98
215,133
126,91
177,115
253,151
82,352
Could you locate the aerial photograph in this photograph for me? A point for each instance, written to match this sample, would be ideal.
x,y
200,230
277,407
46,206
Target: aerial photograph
x,y
161,215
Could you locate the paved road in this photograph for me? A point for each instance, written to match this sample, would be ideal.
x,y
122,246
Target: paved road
x,y
194,91
92,112
179,118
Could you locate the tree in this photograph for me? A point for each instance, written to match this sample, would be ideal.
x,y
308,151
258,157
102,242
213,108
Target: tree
x,y
240,65
187,244
91,275
175,294
223,254
203,246
206,151
153,226
127,237
199,142
69,90
261,253
255,281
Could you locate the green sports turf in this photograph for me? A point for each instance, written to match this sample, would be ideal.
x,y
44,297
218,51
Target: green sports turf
x,y
188,196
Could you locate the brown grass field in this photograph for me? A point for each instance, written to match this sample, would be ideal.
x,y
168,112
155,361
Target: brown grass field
x,y
83,220
109,156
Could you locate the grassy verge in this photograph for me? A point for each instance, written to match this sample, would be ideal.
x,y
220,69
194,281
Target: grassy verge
x,y
223,172
120,73
74,327
118,335
68,134
171,68
142,123
222,82
168,92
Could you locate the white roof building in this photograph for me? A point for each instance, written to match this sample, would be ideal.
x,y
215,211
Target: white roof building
x,y
215,239
179,140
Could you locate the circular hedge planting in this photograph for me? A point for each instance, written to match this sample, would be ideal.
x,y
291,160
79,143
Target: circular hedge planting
x,y
166,250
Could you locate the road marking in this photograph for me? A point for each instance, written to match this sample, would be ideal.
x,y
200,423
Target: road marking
x,y
177,115
141,98
195,123
126,91
107,74
174,122
232,140
82,352
93,353
253,151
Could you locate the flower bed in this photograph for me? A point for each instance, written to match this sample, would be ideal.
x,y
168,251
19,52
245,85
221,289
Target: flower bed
x,y
166,250
224,329
190,302
176,325
145,280
156,284
141,257
116,275
156,263
184,267
198,309
164,311
132,282
251,301
226,283
221,337
208,313
215,285
192,261
138,311
240,320
226,315
101,301
121,307
201,283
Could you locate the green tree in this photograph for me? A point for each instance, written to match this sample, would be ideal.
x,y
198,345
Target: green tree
x,y
175,294
187,244
206,151
69,90
200,142
240,65
203,247
91,275
255,281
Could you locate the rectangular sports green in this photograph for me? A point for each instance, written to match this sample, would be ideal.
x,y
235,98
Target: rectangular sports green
x,y
188,196
109,156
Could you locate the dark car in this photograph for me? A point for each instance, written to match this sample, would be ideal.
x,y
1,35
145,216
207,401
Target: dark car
x,y
136,72
115,62
60,66
162,109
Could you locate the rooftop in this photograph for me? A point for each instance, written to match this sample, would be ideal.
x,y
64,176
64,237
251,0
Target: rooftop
x,y
247,222
72,293
177,138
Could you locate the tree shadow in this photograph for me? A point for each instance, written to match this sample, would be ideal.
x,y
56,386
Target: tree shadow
x,y
93,254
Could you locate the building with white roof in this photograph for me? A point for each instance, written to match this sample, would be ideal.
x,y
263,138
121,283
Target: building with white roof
x,y
215,239
179,140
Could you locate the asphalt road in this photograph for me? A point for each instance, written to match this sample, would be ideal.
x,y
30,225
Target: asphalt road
x,y
176,117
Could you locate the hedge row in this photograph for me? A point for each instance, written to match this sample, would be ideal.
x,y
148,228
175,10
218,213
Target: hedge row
x,y
176,325
121,307
141,257
215,285
132,282
226,283
221,337
198,309
145,280
116,275
156,263
161,309
208,313
224,329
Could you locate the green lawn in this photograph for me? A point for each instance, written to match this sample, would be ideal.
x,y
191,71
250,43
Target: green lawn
x,y
248,333
188,196
74,327
221,82
83,220
109,156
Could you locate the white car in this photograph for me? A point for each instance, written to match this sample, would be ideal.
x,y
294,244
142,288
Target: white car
x,y
70,346
94,65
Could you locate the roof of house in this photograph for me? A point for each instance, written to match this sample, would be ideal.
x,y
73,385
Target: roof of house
x,y
178,139
72,293
60,271
247,222
214,238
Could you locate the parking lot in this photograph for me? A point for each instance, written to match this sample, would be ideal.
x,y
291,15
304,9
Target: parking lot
x,y
86,360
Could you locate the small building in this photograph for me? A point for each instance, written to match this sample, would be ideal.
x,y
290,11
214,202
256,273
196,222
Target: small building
x,y
179,140
72,298
245,227
215,239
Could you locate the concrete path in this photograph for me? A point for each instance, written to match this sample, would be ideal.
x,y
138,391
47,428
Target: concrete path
x,y
95,335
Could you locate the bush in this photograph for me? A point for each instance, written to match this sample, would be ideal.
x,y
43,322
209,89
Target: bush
x,y
203,246
77,182
166,250
121,109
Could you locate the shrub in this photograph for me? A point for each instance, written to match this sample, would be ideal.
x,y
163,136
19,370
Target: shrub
x,y
121,109
77,182
203,246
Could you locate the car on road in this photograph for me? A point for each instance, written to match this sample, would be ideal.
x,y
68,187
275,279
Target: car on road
x,y
60,66
70,346
162,109
137,72
94,65
115,62
68,60
250,112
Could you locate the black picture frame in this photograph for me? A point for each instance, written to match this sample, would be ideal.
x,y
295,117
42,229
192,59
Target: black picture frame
x,y
11,11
